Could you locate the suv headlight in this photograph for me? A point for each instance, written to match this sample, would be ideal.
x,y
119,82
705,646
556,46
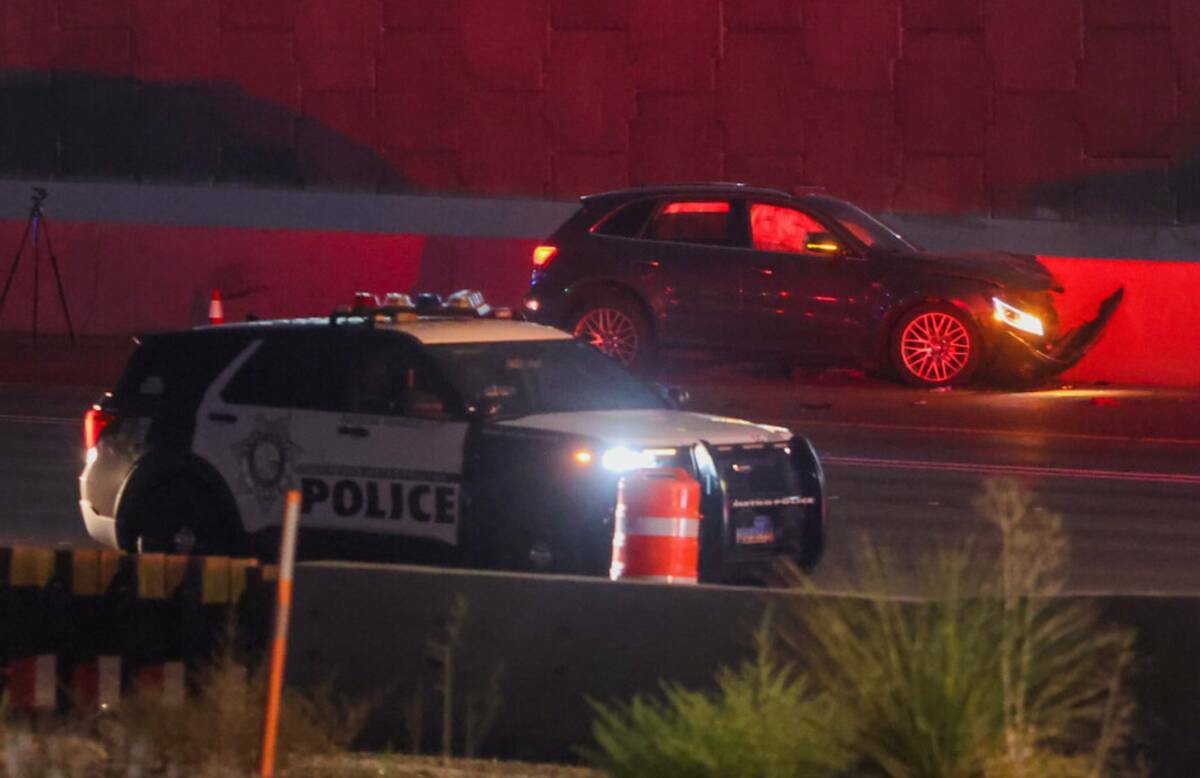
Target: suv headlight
x,y
1017,319
622,459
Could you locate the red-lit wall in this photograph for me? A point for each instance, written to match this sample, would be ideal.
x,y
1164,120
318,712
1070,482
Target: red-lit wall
x,y
1056,109
123,278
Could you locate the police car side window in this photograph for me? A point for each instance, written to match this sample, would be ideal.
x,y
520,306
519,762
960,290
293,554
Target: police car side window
x,y
289,373
387,379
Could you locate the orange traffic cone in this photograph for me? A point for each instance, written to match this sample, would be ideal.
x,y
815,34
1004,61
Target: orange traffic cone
x,y
216,312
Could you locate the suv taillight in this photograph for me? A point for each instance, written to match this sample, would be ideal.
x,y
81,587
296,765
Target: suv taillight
x,y
543,254
94,422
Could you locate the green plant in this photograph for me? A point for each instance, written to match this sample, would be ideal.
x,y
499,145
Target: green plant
x,y
762,721
989,672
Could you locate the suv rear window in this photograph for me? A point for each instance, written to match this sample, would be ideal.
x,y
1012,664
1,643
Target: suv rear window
x,y
700,221
627,221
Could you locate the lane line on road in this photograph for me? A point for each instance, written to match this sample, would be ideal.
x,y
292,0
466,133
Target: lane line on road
x,y
49,420
1030,470
798,422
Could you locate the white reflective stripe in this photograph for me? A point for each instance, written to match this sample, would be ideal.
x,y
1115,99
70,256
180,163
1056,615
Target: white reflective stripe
x,y
662,527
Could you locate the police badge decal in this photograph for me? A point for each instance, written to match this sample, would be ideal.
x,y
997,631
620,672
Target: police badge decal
x,y
265,460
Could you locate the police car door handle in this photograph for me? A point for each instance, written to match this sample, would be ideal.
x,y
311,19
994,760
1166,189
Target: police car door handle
x,y
355,432
226,418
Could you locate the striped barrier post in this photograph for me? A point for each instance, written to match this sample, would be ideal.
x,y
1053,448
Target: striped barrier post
x,y
96,684
96,667
33,683
29,629
165,683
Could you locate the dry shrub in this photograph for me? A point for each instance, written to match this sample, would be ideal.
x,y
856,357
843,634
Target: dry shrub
x,y
219,731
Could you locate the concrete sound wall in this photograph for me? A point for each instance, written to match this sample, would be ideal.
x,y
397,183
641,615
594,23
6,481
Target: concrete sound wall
x,y
1069,110
562,641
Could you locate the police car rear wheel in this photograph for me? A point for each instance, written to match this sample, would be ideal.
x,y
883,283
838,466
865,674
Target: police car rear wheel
x,y
181,517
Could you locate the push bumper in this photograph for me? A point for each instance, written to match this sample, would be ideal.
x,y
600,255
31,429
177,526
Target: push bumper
x,y
1052,358
103,529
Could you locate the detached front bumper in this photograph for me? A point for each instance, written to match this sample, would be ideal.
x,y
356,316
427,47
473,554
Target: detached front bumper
x,y
1051,358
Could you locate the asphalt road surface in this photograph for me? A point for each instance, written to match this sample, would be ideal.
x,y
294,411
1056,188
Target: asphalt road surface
x,y
1121,466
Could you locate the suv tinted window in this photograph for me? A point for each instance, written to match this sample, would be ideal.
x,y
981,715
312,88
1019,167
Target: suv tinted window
x,y
291,372
779,228
627,221
701,221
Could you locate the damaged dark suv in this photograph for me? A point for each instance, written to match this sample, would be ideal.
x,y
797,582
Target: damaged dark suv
x,y
808,277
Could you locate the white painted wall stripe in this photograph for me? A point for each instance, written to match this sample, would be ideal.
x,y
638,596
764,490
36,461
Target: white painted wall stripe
x,y
479,217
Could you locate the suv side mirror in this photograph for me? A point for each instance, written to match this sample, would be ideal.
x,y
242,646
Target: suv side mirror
x,y
823,243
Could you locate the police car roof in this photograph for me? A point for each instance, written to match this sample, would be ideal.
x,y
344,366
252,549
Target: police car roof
x,y
431,330
434,330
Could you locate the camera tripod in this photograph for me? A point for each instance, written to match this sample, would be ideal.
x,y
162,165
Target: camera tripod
x,y
38,228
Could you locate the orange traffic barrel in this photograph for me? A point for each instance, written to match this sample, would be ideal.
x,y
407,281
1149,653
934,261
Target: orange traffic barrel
x,y
657,533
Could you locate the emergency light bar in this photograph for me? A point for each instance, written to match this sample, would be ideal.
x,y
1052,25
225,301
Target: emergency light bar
x,y
465,303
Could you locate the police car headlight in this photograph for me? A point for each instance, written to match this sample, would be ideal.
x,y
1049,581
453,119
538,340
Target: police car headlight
x,y
1016,318
622,459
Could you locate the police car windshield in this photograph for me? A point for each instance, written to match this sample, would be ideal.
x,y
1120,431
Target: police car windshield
x,y
520,378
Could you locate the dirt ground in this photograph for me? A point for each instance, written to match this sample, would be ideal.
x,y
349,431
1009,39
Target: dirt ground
x,y
402,766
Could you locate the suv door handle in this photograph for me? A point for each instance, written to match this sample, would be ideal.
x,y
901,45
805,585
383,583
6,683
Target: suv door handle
x,y
649,264
224,418
354,432
764,270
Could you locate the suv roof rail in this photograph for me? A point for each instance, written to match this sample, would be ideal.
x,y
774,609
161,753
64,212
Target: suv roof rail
x,y
701,186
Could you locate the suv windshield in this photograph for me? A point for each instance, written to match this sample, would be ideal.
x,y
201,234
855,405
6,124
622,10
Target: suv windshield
x,y
872,232
520,378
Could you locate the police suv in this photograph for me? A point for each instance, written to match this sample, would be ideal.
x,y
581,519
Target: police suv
x,y
426,431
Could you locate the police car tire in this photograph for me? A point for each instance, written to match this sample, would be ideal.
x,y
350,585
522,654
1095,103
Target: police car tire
x,y
179,503
629,307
